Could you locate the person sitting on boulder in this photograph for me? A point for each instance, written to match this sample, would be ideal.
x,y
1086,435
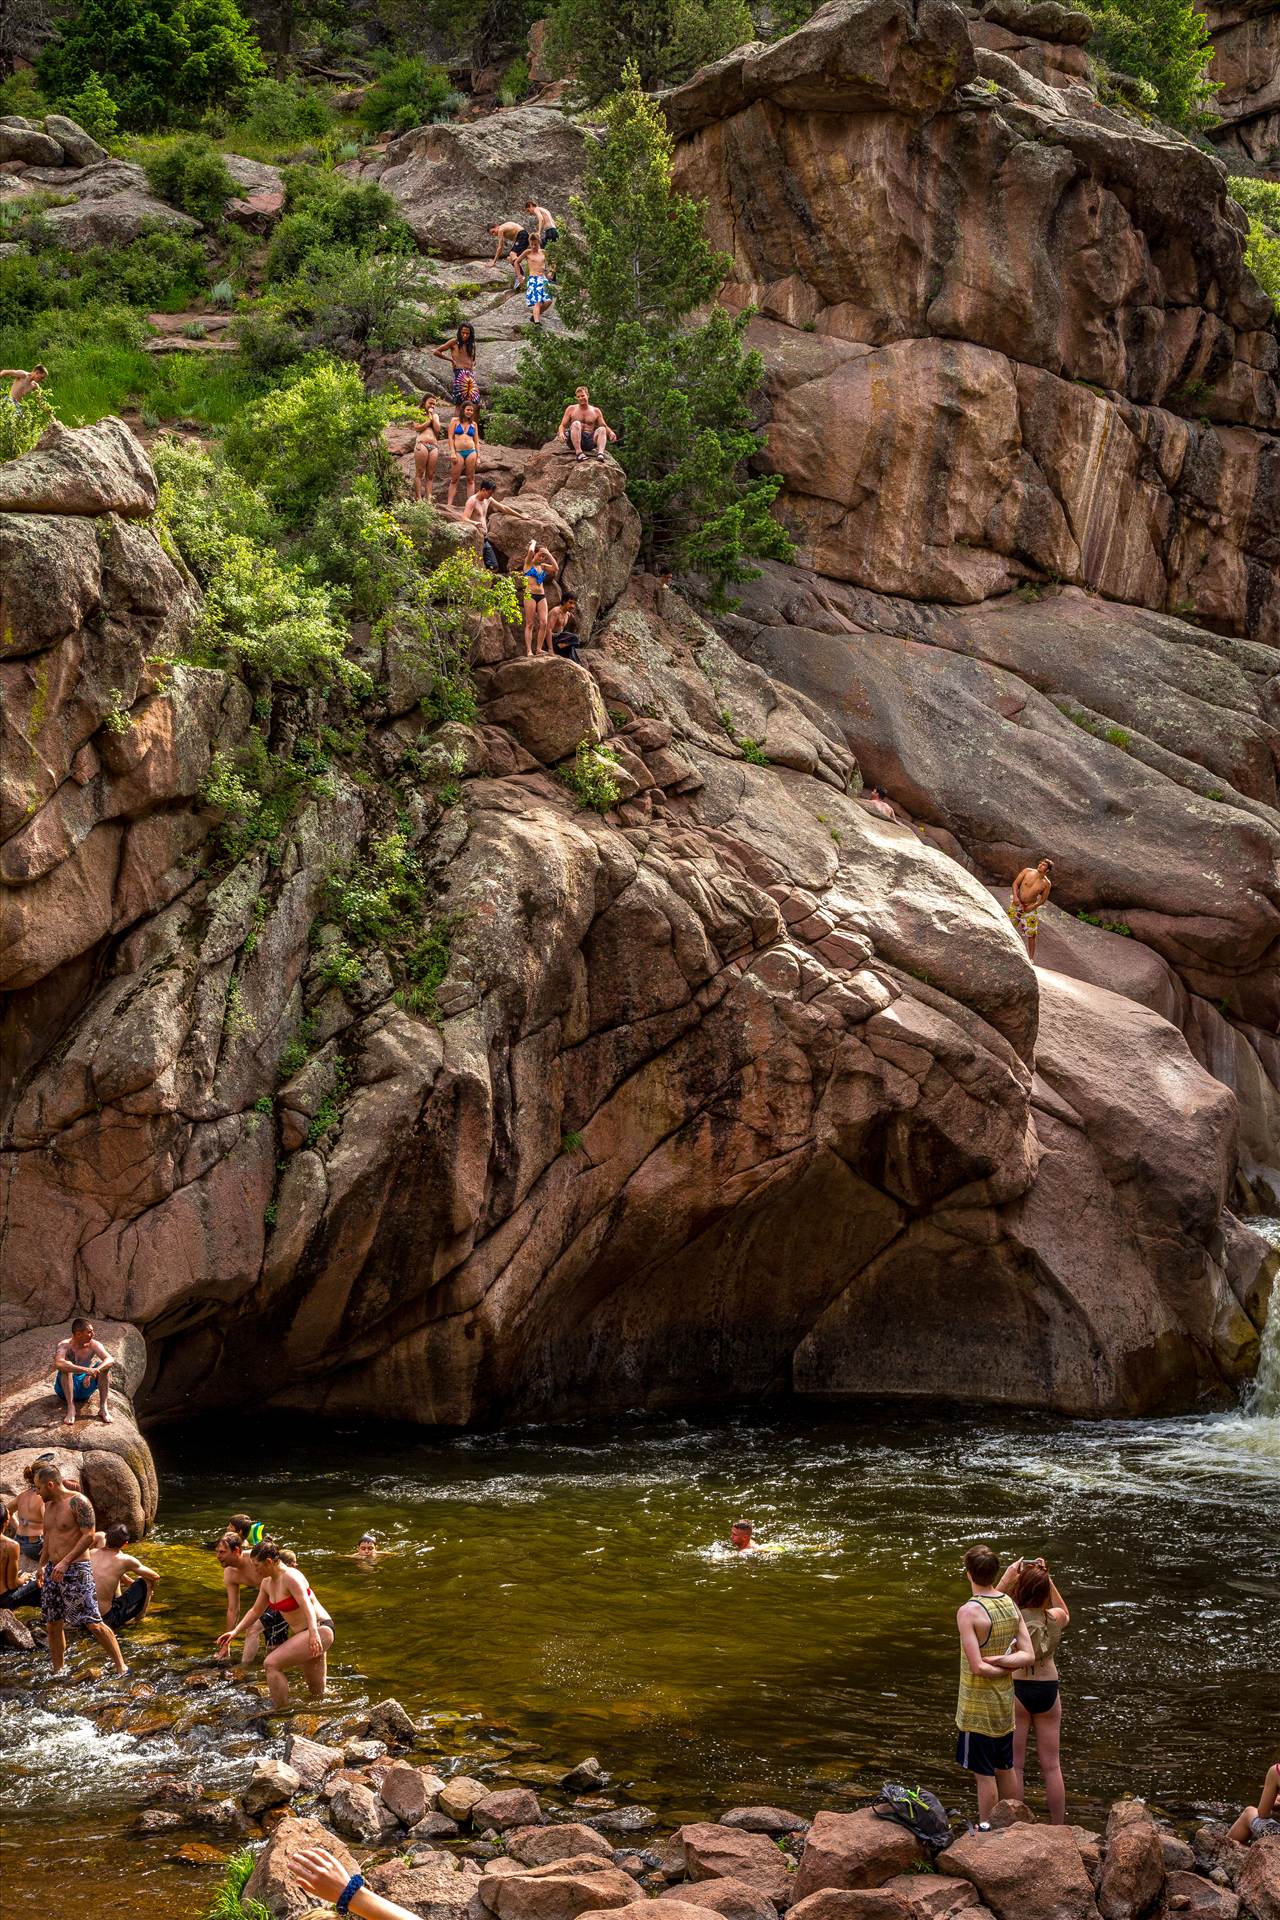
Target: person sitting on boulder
x,y
22,382
582,423
537,294
877,801
1031,888
110,1564
461,352
16,1590
537,567
1258,1823
82,1368
563,629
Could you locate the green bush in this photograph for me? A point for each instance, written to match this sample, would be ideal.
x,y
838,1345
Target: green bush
x,y
21,94
514,83
435,623
593,41
359,547
381,901
355,303
1261,201
1165,45
593,777
190,173
323,213
158,63
92,107
310,438
22,422
25,289
407,93
285,111
159,271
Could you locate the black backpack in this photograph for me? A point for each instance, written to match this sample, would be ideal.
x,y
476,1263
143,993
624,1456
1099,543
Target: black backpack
x,y
919,1811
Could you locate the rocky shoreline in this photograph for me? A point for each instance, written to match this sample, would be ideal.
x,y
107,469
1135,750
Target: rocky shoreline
x,y
454,1835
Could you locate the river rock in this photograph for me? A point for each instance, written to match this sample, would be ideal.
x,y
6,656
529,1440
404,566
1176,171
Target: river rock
x,y
558,1892
433,1887
625,1819
1258,1883
540,1846
312,1762
735,1899
713,1852
272,1783
1025,1873
861,1903
936,1896
1176,1852
15,1634
771,1820
509,1807
404,1790
1217,1854
357,1812
89,470
852,1850
587,1777
435,1826
1198,1898
388,1721
459,1794
1133,1872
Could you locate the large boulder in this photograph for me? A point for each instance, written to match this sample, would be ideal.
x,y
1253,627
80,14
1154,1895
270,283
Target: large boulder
x,y
432,1885
272,1881
560,1891
549,704
713,1852
540,1846
853,1850
79,149
1258,1884
1025,1872
734,1899
112,1462
1133,1873
89,470
452,182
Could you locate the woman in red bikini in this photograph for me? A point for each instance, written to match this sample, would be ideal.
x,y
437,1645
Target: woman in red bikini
x,y
285,1595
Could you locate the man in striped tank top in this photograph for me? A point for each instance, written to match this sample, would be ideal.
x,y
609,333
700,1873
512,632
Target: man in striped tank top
x,y
994,1644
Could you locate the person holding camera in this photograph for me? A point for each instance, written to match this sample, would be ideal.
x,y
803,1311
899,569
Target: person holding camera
x,y
1037,1697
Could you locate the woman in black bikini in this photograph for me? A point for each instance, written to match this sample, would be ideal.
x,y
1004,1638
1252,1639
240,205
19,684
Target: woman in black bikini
x,y
285,1594
1037,1698
537,567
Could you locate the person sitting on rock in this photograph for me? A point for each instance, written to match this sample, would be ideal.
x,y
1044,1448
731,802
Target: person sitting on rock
x,y
994,1645
82,1368
22,382
67,1594
1258,1823
582,423
741,1537
548,226
877,801
110,1564
1031,888
16,1589
537,293
537,567
461,352
562,627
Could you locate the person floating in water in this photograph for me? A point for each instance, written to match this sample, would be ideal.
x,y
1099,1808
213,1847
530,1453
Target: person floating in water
x,y
1031,889
741,1537
111,1565
82,1367
366,1549
994,1645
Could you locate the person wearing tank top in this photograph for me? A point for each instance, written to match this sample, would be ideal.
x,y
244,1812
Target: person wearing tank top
x,y
994,1645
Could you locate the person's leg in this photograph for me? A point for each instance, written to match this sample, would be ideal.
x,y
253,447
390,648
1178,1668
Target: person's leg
x,y
433,461
471,464
108,1642
292,1653
1049,1749
104,1390
455,474
544,628
1006,1784
575,437
57,1645
316,1672
987,1794
602,441
419,470
68,1399
1021,1728
528,627
252,1644
1240,1831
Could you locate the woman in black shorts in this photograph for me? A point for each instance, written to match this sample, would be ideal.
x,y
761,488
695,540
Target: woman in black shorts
x,y
1037,1699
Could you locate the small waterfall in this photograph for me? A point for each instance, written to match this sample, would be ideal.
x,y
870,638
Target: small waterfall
x,y
1264,1396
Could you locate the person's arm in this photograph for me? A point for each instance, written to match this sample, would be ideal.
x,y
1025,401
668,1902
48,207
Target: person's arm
x,y
1270,1793
318,1873
971,1650
139,1572
1005,1583
255,1612
1056,1601
1024,1655
549,564
442,353
82,1514
62,1359
232,1586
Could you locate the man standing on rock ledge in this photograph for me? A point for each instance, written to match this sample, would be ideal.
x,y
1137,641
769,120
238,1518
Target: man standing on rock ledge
x,y
67,1595
994,1644
1031,888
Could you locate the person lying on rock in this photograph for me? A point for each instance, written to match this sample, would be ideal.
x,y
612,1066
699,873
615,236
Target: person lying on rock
x,y
877,801
537,294
581,425
537,567
994,1645
110,1565
82,1368
563,629
1031,888
67,1594
318,1873
1257,1823
23,383
286,1593
548,225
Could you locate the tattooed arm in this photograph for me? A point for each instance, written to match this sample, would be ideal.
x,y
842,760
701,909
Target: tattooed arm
x,y
81,1511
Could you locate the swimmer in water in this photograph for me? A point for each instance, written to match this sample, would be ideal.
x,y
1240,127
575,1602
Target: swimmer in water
x,y
366,1549
740,1537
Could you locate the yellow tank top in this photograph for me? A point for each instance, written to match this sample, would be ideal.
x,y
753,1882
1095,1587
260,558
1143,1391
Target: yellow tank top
x,y
986,1706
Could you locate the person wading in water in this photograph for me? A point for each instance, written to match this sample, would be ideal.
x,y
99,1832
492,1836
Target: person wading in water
x,y
286,1593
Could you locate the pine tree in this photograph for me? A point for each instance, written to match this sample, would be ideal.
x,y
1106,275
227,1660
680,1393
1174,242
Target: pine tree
x,y
678,392
156,64
592,41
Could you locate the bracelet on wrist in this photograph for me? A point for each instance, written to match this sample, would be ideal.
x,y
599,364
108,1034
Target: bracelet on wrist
x,y
349,1892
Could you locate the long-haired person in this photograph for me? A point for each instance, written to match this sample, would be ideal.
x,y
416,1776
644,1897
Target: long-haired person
x,y
285,1595
1037,1694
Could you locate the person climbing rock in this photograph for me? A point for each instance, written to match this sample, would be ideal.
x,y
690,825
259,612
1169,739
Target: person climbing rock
x,y
548,225
82,1367
111,1565
461,352
1031,888
994,1645
505,233
22,382
67,1594
583,425
475,513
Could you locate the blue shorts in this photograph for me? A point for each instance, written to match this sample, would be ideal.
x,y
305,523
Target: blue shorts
x,y
984,1752
83,1386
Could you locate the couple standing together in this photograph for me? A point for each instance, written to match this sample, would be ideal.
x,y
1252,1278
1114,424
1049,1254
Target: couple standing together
x,y
1009,1632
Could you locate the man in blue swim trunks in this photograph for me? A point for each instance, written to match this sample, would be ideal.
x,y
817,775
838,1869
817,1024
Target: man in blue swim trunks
x,y
536,291
82,1368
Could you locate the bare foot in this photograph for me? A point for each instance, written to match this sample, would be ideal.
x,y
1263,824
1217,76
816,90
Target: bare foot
x,y
106,1417
69,1420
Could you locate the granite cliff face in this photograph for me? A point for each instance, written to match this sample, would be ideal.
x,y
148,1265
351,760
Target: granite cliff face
x,y
737,1088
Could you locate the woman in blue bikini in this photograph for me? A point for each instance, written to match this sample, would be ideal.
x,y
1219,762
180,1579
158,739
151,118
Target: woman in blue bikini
x,y
464,450
537,567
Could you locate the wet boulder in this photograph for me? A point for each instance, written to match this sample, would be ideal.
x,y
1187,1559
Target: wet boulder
x,y
272,1880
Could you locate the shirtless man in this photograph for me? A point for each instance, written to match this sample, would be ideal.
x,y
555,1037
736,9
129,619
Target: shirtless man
x,y
239,1571
582,422
23,383
536,291
67,1597
740,1537
82,1368
476,514
27,1515
110,1564
548,225
17,1587
1031,888
504,239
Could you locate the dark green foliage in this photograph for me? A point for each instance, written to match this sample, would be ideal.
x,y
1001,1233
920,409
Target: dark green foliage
x,y
679,394
93,108
258,794
190,173
593,41
478,31
158,63
1162,44
1261,201
407,93
159,271
381,901
323,212
24,289
285,111
353,303
309,438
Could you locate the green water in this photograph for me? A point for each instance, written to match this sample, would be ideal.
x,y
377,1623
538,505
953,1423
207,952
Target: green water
x,y
550,1595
